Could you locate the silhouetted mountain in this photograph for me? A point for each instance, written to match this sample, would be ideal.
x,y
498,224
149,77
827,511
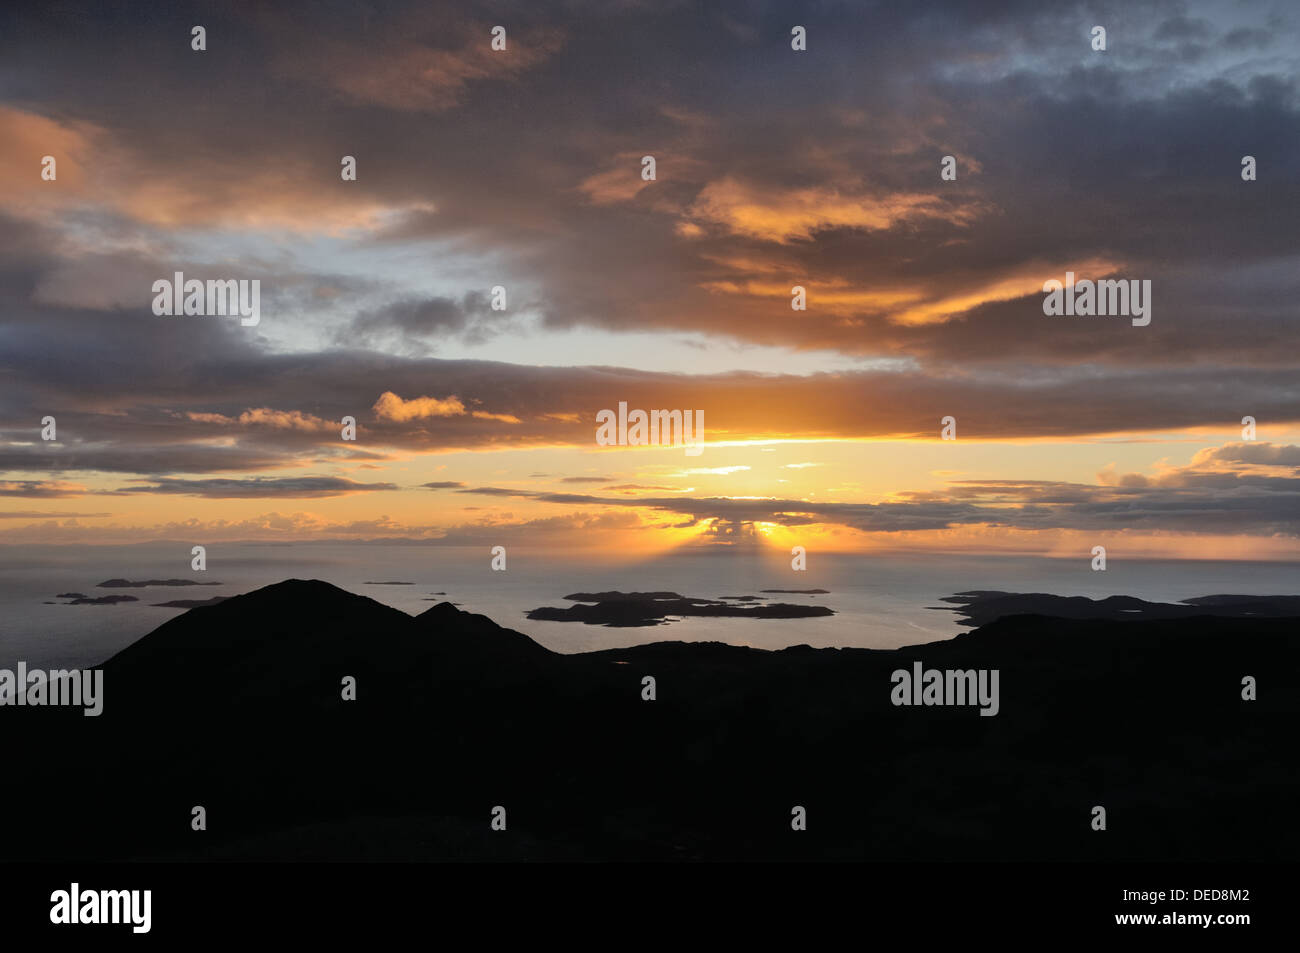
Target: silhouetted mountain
x,y
238,707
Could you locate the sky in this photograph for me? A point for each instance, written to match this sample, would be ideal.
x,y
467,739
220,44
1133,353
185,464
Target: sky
x,y
523,169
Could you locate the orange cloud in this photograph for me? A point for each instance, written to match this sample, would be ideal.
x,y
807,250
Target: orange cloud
x,y
618,184
391,407
25,139
782,215
268,417
1025,280
96,167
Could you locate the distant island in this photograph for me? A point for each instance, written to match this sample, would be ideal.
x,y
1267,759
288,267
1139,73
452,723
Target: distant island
x,y
190,603
389,583
128,584
81,599
800,592
981,606
626,609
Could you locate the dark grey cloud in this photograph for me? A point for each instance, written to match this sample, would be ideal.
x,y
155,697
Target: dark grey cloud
x,y
258,487
635,487
35,514
39,489
1244,38
469,318
1268,454
496,491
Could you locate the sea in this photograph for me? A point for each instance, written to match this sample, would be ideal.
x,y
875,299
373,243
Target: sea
x,y
880,600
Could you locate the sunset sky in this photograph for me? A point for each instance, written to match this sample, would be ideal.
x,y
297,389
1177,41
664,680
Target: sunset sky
x,y
774,168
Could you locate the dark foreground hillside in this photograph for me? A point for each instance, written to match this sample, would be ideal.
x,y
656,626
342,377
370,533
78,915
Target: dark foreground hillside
x,y
237,707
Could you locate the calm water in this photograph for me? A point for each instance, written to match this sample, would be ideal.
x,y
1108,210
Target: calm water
x,y
880,601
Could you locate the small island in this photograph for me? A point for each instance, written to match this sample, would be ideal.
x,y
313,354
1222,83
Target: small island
x,y
624,609
190,603
128,584
80,599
